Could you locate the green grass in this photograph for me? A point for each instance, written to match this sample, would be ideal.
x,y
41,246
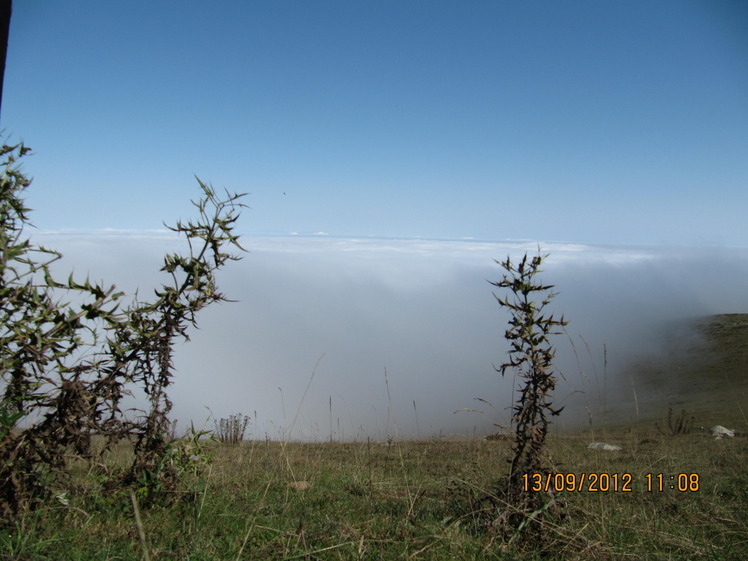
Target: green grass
x,y
406,500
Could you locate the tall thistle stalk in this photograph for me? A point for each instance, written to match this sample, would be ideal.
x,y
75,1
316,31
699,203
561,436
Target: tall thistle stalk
x,y
530,356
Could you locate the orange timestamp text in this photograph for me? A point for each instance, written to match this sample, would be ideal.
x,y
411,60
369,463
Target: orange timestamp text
x,y
608,482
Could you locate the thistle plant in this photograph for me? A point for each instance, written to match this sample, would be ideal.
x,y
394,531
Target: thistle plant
x,y
65,368
231,430
530,356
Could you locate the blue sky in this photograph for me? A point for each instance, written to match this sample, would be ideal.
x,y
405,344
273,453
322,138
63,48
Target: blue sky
x,y
601,122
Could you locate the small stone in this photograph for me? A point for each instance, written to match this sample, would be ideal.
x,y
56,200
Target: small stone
x,y
603,446
718,431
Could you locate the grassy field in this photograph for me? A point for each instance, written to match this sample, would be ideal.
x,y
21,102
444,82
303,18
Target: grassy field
x,y
409,500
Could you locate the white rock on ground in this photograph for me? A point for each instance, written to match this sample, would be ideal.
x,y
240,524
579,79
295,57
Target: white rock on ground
x,y
603,446
718,431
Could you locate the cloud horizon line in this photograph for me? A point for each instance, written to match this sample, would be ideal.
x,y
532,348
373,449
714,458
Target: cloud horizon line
x,y
165,233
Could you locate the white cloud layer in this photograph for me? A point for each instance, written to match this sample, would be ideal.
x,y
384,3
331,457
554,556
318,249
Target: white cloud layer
x,y
347,309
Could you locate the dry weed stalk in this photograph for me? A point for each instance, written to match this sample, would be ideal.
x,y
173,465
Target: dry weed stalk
x,y
677,425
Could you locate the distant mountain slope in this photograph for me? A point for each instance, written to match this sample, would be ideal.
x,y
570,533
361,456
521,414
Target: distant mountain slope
x,y
703,370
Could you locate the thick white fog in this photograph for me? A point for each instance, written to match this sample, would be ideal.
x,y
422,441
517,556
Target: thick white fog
x,y
332,315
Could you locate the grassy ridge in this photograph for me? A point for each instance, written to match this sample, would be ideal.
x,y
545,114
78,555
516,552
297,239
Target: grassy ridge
x,y
407,500
703,369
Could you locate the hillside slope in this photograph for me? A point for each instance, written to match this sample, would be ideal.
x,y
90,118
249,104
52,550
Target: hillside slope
x,y
703,370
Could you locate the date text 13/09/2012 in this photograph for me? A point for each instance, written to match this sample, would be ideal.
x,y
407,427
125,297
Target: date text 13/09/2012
x,y
608,482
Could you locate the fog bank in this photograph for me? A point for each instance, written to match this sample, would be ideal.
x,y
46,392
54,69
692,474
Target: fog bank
x,y
319,320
